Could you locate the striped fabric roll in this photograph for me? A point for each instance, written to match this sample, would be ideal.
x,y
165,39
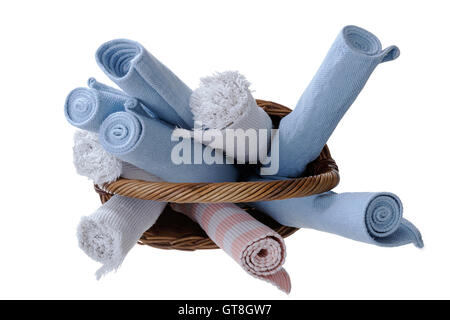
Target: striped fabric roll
x,y
258,249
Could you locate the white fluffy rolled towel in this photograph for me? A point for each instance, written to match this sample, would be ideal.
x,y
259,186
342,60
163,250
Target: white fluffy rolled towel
x,y
93,162
110,232
222,104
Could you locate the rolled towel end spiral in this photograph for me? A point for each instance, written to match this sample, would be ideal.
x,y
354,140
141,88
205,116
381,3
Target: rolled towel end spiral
x,y
264,258
117,56
365,42
384,215
81,107
259,250
120,133
86,108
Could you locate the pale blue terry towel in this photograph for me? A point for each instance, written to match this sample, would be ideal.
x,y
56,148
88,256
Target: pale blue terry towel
x,y
86,108
146,143
342,75
375,218
142,76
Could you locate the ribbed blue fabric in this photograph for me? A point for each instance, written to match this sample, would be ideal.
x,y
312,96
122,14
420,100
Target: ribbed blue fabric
x,y
86,108
146,143
342,75
142,76
375,218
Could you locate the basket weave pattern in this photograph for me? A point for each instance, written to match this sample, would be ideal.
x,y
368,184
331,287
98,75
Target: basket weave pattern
x,y
175,231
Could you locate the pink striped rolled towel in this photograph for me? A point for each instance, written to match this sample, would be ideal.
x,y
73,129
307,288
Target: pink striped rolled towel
x,y
257,248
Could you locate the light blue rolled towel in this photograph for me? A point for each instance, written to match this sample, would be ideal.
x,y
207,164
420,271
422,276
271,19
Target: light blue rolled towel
x,y
375,218
147,144
342,75
86,108
142,76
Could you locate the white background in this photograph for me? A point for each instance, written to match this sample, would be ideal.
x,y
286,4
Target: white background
x,y
394,138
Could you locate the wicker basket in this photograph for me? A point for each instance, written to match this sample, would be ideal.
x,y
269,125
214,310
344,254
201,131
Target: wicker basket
x,y
175,231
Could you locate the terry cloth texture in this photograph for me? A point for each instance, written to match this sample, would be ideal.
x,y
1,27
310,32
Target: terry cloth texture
x,y
142,76
224,101
259,250
110,232
374,218
342,75
146,143
86,108
93,162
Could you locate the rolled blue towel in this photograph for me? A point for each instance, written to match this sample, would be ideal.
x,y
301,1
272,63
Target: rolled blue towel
x,y
375,218
342,75
130,103
86,108
147,144
142,76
